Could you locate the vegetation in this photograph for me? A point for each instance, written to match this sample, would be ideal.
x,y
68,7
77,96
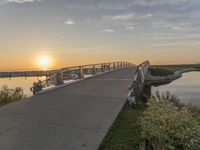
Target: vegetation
x,y
167,127
165,122
168,124
160,71
125,132
8,95
177,67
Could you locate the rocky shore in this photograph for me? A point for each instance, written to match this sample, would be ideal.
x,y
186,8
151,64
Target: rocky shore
x,y
158,80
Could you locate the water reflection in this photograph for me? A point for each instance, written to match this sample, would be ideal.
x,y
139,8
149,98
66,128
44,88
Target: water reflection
x,y
186,88
25,83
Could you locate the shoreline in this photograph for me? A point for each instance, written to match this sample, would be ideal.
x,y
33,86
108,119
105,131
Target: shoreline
x,y
160,80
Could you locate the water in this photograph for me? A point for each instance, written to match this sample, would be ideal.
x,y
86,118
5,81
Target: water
x,y
24,83
187,88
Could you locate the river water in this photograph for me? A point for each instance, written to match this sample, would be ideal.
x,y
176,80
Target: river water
x,y
187,88
22,82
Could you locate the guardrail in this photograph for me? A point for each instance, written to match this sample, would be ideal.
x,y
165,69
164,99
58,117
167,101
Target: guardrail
x,y
136,88
77,72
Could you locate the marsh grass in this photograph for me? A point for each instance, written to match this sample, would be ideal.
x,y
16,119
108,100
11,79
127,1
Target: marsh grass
x,y
167,96
177,67
8,95
169,124
155,71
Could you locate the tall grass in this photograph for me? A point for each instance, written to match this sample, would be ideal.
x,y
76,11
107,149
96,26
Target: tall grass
x,y
167,96
8,95
168,124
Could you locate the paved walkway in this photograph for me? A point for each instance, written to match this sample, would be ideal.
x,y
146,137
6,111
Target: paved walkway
x,y
75,117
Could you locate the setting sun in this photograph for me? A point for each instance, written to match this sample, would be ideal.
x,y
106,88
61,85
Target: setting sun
x,y
44,62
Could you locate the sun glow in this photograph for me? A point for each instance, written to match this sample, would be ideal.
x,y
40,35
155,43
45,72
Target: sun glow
x,y
44,62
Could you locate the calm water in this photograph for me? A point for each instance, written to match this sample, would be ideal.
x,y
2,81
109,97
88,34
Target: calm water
x,y
20,82
186,88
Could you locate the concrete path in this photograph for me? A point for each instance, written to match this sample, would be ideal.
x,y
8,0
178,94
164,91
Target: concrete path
x,y
75,117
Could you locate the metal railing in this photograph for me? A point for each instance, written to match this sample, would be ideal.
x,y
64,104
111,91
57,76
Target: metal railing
x,y
78,72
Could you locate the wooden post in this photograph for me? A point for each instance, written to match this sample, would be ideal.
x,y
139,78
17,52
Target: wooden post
x,y
114,65
109,66
81,74
59,78
93,70
117,64
124,64
102,68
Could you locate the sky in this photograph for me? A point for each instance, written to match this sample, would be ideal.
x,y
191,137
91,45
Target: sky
x,y
74,32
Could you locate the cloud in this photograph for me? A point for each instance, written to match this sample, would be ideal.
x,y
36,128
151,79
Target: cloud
x,y
18,1
162,2
177,28
127,4
132,28
123,17
69,22
108,30
145,16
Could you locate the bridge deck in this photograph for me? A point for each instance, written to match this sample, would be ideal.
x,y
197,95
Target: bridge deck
x,y
70,118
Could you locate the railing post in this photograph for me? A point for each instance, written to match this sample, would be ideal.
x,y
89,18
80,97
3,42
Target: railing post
x,y
118,65
59,78
108,66
114,65
93,70
102,68
81,72
121,65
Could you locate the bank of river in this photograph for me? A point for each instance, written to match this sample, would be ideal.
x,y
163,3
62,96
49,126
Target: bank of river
x,y
187,88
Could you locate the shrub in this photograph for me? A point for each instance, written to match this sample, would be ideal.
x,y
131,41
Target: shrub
x,y
8,95
167,126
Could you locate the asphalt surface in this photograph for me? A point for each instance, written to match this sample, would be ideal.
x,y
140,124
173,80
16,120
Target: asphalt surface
x,y
74,117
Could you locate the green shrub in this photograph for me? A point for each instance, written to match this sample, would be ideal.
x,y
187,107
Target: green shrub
x,y
8,95
167,127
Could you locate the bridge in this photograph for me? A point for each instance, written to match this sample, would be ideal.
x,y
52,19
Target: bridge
x,y
49,73
73,117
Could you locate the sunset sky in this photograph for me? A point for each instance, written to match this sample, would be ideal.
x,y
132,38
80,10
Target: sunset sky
x,y
73,32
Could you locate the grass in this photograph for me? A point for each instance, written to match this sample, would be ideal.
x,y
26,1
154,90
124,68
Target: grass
x,y
125,132
161,72
177,67
165,70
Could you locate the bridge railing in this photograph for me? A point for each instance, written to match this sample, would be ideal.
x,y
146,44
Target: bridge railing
x,y
136,87
79,72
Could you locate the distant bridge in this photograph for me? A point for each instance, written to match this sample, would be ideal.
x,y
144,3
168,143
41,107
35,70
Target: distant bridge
x,y
75,116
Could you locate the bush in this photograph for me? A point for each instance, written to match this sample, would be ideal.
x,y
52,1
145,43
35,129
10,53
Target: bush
x,y
168,127
8,95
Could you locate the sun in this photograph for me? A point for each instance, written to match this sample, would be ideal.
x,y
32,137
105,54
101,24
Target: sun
x,y
44,62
